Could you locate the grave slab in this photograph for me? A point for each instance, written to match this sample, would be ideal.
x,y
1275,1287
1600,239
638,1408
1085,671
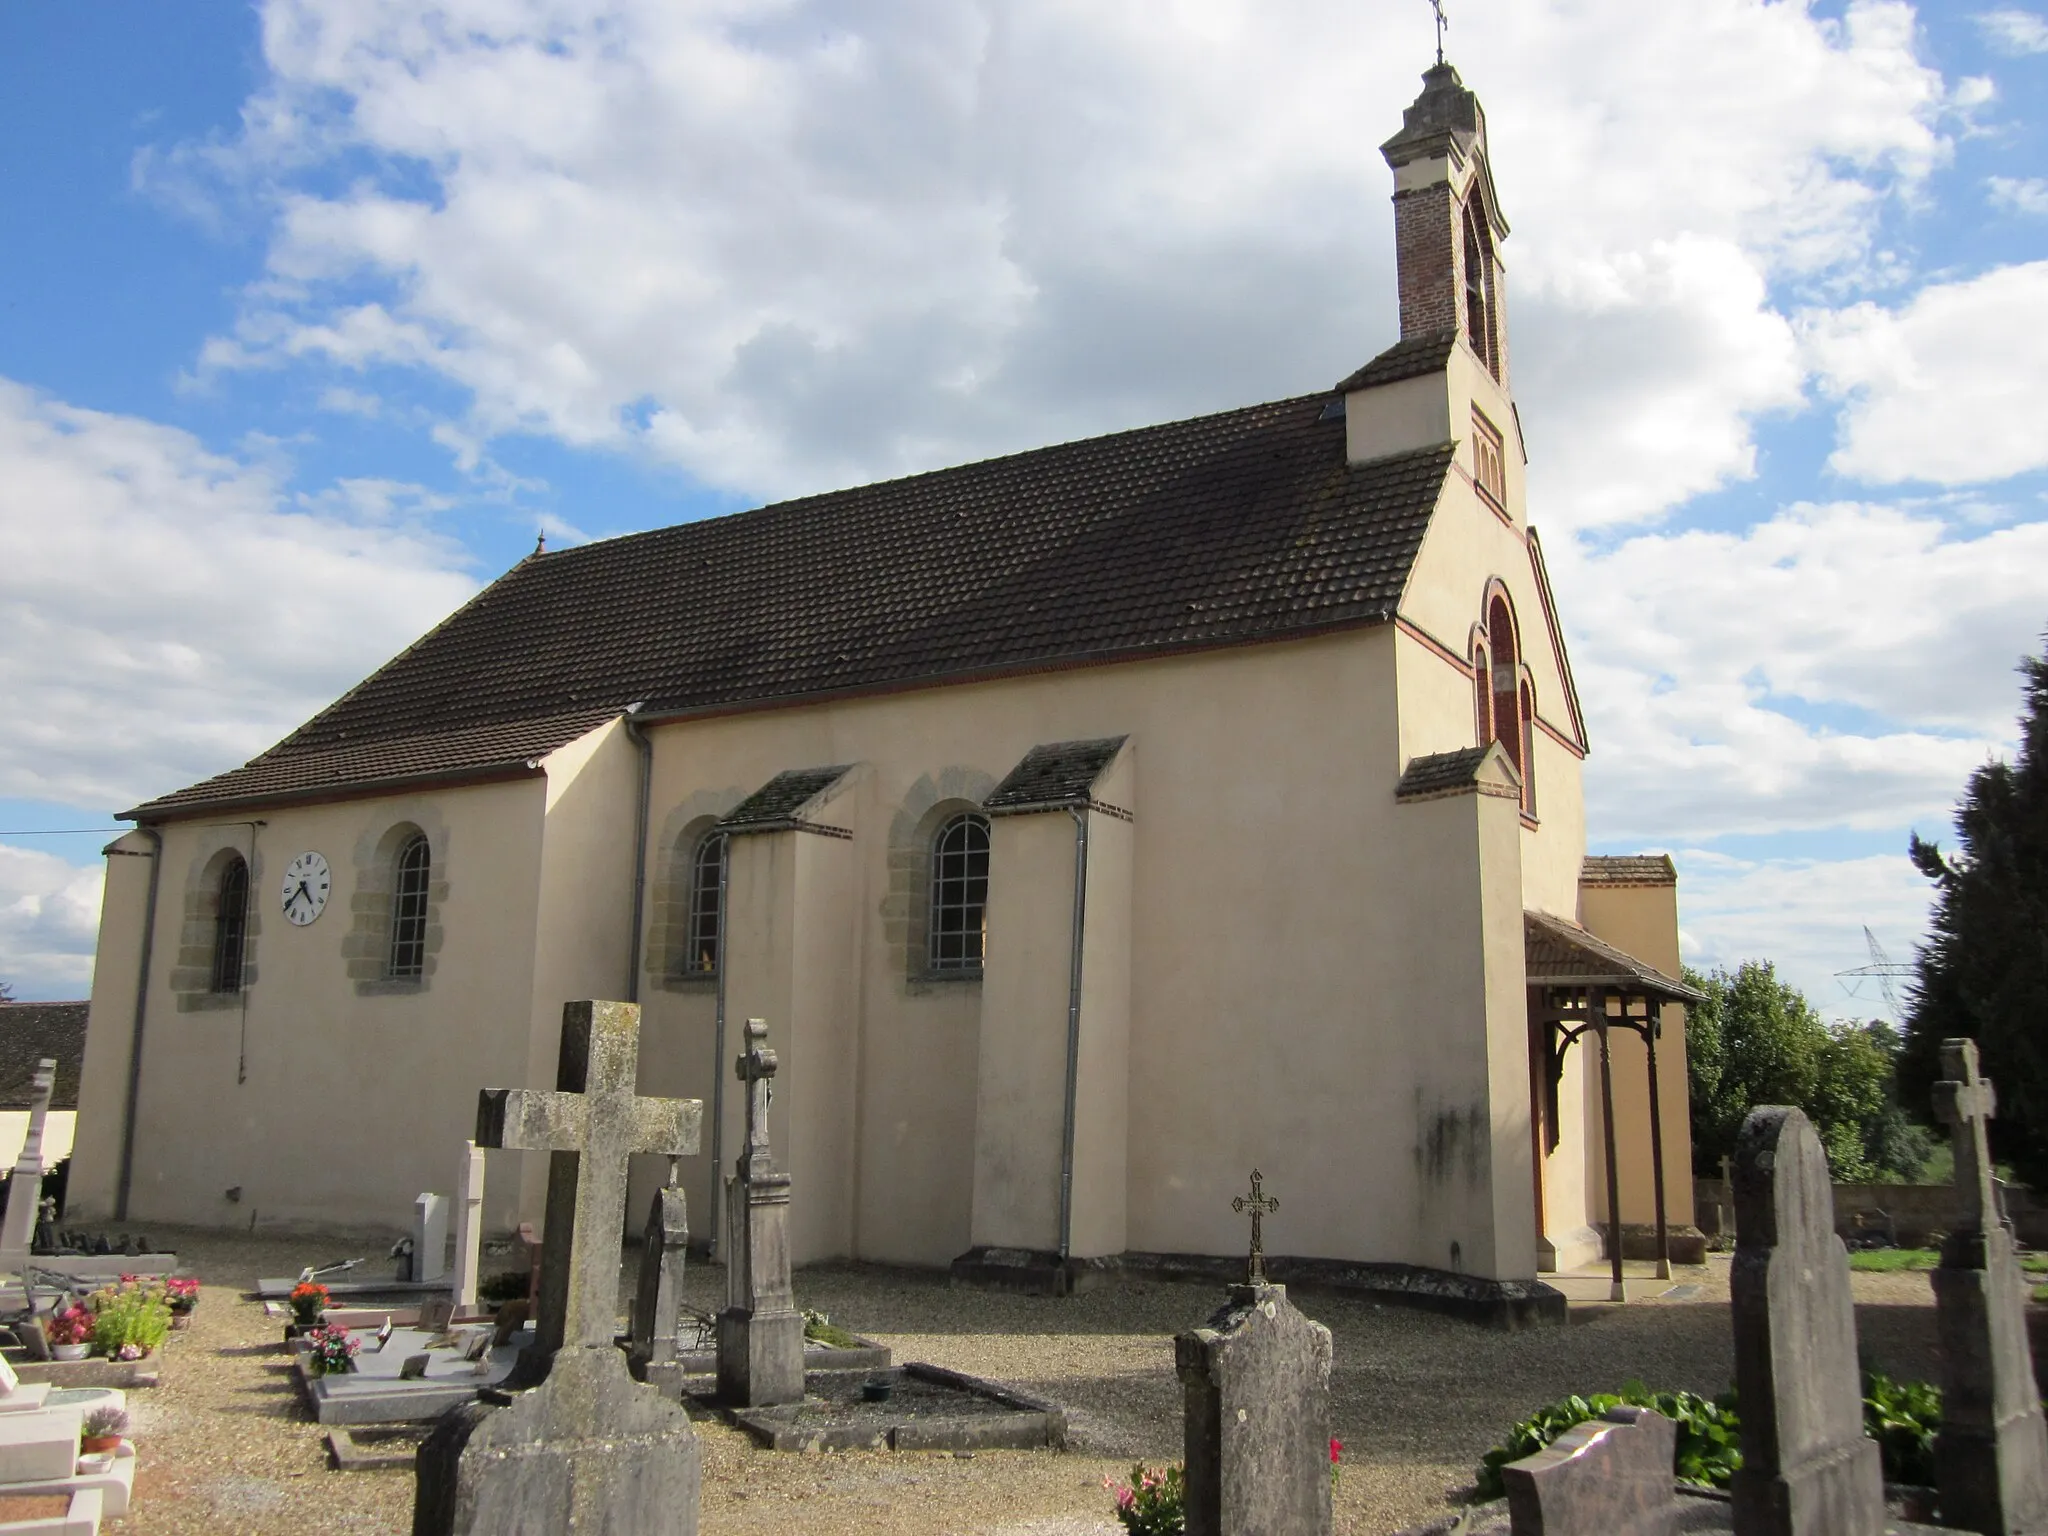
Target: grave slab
x,y
928,1408
376,1393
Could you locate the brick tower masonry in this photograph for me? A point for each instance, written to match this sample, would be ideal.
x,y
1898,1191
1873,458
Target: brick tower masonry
x,y
1447,223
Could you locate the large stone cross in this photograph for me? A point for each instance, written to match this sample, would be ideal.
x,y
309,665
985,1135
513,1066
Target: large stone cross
x,y
593,1122
757,1067
1966,1103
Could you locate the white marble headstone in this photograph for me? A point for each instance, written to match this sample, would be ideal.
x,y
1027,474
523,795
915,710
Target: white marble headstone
x,y
430,1237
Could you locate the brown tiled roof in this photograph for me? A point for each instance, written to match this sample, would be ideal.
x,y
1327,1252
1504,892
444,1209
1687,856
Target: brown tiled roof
x,y
1061,773
1225,530
778,805
1560,954
1440,773
28,1033
1407,359
1628,869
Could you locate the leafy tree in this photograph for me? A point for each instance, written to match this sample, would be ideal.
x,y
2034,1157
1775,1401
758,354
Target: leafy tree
x,y
1757,1040
6,993
1984,970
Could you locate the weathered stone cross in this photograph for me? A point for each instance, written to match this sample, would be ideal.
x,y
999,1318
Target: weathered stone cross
x,y
757,1068
1966,1102
593,1122
1261,1206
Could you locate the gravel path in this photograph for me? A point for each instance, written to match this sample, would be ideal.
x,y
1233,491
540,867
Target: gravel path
x,y
226,1446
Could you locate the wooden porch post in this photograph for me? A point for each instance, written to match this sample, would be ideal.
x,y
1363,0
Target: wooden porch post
x,y
1616,1292
1654,1025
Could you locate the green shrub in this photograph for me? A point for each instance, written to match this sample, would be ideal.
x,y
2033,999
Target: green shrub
x,y
1903,1418
822,1329
129,1320
1709,1446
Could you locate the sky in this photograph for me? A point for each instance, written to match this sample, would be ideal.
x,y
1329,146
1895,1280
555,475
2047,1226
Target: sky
x,y
316,314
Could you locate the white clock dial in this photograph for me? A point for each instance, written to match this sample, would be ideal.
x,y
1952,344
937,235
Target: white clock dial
x,y
306,880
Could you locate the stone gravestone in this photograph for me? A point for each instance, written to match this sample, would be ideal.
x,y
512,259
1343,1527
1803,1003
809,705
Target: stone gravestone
x,y
1611,1475
469,1226
1255,1386
760,1332
574,1443
658,1299
430,1237
1807,1468
25,1188
1991,1457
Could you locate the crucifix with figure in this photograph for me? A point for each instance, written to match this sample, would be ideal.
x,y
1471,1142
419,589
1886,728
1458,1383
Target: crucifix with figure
x,y
1260,1205
760,1332
1441,22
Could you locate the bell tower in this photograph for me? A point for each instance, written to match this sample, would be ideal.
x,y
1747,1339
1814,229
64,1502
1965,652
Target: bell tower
x,y
1447,224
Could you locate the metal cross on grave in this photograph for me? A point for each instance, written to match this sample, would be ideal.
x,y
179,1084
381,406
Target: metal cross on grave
x,y
757,1067
1966,1102
1261,1206
593,1122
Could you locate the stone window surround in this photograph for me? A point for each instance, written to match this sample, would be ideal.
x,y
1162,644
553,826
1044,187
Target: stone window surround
x,y
906,905
191,977
367,947
668,907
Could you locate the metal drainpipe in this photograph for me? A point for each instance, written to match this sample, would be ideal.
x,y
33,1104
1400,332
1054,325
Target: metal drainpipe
x,y
156,864
646,749
1080,815
712,1244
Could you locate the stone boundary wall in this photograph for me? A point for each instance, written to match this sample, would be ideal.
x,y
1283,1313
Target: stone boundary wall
x,y
1915,1211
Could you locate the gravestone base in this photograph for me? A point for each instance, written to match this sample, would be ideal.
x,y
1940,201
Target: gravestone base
x,y
1991,1457
760,1358
1839,1493
588,1450
1700,1512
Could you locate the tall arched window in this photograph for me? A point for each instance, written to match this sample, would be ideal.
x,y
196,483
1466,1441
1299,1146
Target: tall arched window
x,y
1507,708
1482,690
409,910
1479,292
704,938
1527,716
959,913
231,926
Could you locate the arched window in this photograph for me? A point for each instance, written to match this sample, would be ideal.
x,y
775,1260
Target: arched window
x,y
959,914
409,910
705,936
1527,716
1507,709
231,926
1479,292
1482,690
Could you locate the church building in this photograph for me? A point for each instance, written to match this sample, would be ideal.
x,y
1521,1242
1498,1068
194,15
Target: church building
x,y
1090,826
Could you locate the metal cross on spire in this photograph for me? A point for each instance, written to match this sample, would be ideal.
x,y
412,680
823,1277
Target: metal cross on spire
x,y
1442,21
1261,1206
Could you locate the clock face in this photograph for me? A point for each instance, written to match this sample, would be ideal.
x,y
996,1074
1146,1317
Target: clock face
x,y
305,888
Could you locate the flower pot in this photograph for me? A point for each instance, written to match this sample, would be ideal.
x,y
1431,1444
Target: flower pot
x,y
98,1464
92,1445
70,1351
181,1320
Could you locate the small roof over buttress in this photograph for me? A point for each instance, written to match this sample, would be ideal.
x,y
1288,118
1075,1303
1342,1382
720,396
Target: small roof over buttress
x,y
1558,953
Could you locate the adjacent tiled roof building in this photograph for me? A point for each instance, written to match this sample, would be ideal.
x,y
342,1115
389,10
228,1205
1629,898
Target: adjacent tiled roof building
x,y
1225,530
29,1032
1628,869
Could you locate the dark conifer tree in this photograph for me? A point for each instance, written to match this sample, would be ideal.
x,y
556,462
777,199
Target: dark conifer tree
x,y
1984,970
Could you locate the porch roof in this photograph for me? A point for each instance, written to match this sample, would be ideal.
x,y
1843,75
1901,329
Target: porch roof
x,y
1558,953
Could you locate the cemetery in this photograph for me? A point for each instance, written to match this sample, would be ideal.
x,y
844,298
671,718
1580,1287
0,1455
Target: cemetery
x,y
575,1383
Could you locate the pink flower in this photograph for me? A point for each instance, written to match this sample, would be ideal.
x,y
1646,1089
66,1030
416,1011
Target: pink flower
x,y
1336,1449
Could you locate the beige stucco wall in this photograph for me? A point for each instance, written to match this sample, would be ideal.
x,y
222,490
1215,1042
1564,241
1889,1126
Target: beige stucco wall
x,y
326,1107
1101,1208
110,1032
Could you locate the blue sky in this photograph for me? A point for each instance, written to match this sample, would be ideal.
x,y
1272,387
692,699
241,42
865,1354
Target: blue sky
x,y
321,312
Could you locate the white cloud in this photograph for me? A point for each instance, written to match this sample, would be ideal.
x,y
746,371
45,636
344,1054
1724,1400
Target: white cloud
x,y
795,244
1836,666
2028,194
2014,31
1807,917
170,612
49,921
1947,388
